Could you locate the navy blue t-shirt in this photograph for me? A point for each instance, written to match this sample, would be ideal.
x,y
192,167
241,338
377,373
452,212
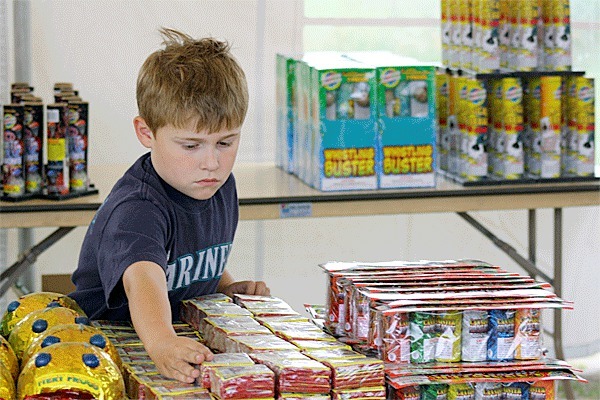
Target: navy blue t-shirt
x,y
145,219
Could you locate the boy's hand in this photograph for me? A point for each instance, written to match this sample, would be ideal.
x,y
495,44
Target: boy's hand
x,y
247,287
175,355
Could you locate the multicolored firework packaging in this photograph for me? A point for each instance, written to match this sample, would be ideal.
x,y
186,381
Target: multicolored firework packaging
x,y
77,139
515,391
33,140
502,335
542,390
423,337
488,391
13,171
57,173
449,326
434,392
395,338
475,335
461,391
527,330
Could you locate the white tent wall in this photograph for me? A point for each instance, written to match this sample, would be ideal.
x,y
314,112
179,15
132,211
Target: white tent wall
x,y
99,46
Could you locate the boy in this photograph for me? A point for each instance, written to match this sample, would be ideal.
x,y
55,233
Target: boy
x,y
164,232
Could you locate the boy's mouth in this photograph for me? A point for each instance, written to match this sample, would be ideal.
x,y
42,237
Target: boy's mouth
x,y
207,182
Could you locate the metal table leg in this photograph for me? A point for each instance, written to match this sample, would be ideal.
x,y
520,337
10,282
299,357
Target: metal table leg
x,y
12,273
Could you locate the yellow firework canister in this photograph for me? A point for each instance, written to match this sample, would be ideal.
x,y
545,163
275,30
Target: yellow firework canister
x,y
543,107
512,129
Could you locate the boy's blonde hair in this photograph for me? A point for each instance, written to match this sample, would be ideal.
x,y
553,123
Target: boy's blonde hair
x,y
192,81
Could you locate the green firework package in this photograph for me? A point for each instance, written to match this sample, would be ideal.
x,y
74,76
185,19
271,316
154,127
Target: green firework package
x,y
424,337
434,392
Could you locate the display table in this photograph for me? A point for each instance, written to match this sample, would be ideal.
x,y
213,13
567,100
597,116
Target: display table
x,y
266,192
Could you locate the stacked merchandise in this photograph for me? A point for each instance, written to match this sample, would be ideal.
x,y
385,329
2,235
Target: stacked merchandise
x,y
48,352
509,107
353,121
61,139
302,361
447,327
521,35
504,127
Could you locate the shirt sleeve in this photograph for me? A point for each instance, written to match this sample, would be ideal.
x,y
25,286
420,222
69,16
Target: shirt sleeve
x,y
135,231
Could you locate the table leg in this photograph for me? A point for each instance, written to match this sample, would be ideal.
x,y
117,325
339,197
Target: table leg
x,y
12,273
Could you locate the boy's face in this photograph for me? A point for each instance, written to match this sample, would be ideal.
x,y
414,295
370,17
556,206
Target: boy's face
x,y
195,163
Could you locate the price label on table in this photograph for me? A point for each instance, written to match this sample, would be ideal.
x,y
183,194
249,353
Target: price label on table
x,y
295,210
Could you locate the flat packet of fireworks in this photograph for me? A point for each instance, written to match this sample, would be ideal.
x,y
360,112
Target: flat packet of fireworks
x,y
131,351
300,331
295,372
257,343
356,373
165,393
221,360
319,344
106,324
244,382
217,329
267,319
474,377
316,311
259,309
371,393
300,396
338,270
193,311
549,364
264,305
149,386
136,359
130,340
329,354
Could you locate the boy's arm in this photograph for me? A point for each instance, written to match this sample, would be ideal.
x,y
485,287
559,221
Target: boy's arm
x,y
228,286
146,289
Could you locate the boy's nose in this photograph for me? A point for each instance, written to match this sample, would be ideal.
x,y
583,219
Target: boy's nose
x,y
210,159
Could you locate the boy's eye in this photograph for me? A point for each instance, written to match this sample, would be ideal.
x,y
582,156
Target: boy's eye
x,y
190,146
225,144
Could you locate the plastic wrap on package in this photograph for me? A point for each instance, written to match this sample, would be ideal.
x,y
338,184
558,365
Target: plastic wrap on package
x,y
248,382
295,372
221,360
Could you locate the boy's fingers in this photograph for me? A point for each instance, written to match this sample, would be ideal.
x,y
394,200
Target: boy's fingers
x,y
261,289
184,372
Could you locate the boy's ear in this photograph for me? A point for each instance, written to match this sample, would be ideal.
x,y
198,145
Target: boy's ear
x,y
143,132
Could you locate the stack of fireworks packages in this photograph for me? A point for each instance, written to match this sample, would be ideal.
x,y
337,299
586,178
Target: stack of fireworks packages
x,y
521,35
140,374
277,345
356,120
30,140
457,328
510,128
